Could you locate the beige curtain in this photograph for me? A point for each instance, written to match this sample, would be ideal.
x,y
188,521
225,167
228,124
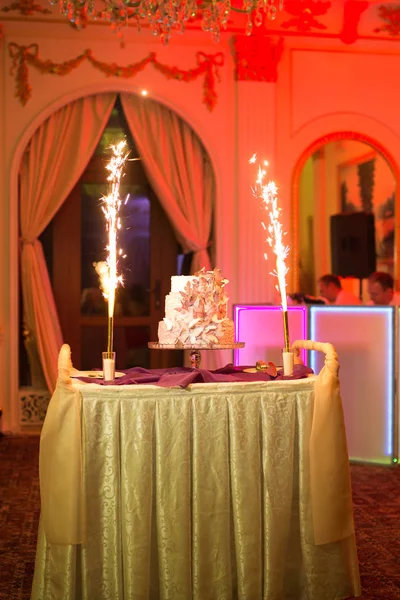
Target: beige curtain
x,y
179,171
52,164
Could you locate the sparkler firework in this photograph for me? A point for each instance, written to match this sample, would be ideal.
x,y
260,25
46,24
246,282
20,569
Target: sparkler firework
x,y
267,191
108,270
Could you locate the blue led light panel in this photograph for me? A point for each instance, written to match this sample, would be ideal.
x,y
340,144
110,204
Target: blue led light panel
x,y
364,340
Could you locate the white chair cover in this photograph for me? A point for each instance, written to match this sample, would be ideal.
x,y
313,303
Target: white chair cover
x,y
329,461
60,461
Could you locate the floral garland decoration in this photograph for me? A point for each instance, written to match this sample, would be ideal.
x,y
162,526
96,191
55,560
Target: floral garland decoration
x,y
23,56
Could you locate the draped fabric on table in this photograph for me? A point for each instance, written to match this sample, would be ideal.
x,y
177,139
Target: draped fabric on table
x,y
178,169
196,493
193,494
52,164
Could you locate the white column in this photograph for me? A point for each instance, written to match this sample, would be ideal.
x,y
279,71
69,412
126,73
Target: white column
x,y
255,134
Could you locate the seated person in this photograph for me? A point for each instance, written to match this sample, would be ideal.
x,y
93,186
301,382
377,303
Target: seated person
x,y
380,289
330,288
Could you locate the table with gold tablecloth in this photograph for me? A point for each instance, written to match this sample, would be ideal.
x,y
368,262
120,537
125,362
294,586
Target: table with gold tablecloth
x,y
204,493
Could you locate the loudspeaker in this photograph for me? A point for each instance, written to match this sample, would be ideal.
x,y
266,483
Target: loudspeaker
x,y
353,244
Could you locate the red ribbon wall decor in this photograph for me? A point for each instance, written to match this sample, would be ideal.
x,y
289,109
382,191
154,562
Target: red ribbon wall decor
x,y
23,57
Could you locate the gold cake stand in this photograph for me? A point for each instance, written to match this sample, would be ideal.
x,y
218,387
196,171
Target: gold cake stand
x,y
195,351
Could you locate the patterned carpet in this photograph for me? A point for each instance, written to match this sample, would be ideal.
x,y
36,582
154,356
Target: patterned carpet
x,y
376,495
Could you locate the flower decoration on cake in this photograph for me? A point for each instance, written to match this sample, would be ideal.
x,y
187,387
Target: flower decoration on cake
x,y
203,307
200,315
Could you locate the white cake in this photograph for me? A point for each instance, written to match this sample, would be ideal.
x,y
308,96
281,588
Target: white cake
x,y
196,311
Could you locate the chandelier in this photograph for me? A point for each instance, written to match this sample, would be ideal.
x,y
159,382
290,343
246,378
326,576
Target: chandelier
x,y
165,16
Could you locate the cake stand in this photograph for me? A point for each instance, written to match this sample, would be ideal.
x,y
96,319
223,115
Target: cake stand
x,y
195,351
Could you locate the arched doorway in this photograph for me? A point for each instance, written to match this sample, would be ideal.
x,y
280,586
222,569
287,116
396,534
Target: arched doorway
x,y
71,226
341,172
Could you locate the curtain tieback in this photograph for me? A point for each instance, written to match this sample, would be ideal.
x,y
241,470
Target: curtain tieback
x,y
202,248
26,242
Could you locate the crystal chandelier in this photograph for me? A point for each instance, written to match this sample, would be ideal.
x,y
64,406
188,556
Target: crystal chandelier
x,y
165,16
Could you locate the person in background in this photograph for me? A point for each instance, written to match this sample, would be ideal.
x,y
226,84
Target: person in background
x,y
380,289
330,288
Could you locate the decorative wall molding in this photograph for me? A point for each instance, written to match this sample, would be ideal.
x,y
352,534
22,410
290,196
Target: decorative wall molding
x,y
26,8
352,11
304,14
390,15
257,58
33,405
299,18
24,57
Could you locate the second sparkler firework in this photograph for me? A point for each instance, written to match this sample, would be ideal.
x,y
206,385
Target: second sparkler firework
x,y
267,191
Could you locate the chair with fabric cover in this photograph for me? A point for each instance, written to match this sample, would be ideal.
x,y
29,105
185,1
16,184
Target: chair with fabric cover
x,y
64,364
329,459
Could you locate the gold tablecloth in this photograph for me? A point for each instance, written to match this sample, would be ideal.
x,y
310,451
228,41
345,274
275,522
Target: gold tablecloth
x,y
200,493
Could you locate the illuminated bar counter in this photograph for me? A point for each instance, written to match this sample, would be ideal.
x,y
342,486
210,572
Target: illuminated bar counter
x,y
367,342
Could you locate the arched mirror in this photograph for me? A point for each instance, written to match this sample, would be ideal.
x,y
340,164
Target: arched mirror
x,y
339,175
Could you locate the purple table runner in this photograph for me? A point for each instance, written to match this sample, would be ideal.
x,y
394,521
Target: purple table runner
x,y
184,376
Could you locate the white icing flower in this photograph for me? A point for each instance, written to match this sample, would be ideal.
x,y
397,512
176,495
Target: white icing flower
x,y
193,323
197,331
212,338
168,323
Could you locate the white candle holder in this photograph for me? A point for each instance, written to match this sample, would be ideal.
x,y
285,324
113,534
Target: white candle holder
x,y
288,362
108,366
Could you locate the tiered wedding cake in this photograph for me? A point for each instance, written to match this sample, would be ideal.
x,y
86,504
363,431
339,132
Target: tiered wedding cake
x,y
195,311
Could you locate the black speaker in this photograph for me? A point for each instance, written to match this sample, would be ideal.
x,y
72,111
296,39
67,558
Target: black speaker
x,y
353,244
